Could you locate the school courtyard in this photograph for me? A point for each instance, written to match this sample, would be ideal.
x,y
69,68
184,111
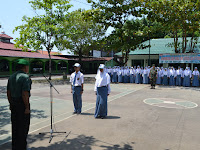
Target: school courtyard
x,y
139,118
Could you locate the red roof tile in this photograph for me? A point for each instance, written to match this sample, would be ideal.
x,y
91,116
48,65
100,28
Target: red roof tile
x,y
95,59
9,53
9,46
46,53
6,36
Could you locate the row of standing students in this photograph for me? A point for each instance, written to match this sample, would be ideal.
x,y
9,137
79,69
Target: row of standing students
x,y
165,76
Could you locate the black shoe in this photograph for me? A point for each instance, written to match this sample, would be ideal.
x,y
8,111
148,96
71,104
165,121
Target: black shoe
x,y
74,112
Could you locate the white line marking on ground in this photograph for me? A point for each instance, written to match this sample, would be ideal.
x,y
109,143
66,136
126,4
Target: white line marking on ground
x,y
115,97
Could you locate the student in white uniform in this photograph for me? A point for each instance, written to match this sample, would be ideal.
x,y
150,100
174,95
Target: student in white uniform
x,y
102,89
77,80
195,77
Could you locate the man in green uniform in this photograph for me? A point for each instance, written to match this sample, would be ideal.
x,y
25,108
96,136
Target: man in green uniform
x,y
152,76
18,93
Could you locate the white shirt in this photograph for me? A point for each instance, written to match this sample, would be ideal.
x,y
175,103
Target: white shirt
x,y
132,71
79,79
165,73
138,71
187,73
171,72
178,72
196,73
102,80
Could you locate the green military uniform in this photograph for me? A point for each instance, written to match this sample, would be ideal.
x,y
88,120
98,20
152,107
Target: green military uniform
x,y
17,83
153,74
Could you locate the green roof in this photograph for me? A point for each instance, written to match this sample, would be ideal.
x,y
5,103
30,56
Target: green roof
x,y
159,46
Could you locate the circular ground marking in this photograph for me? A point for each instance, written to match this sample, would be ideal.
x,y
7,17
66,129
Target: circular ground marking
x,y
170,103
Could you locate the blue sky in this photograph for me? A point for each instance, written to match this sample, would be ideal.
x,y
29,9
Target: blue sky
x,y
12,11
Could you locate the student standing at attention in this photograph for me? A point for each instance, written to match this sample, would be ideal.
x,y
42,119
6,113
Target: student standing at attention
x,y
102,89
77,81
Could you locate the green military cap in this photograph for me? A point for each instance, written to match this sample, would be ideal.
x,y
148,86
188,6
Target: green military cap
x,y
22,62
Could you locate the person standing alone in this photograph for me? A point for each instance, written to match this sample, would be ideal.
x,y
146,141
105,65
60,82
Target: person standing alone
x,y
18,93
152,76
102,90
77,81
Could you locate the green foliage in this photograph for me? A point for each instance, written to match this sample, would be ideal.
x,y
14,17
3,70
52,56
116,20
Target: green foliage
x,y
180,17
85,33
117,14
43,30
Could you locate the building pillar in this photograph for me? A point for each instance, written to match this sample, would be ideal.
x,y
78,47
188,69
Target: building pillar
x,y
192,67
44,67
29,66
144,62
10,67
56,67
67,67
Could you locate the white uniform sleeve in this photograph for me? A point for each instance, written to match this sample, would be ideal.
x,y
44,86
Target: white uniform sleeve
x,y
95,86
82,79
70,78
109,90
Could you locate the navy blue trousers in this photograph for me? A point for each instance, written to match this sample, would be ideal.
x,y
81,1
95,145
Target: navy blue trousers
x,y
77,99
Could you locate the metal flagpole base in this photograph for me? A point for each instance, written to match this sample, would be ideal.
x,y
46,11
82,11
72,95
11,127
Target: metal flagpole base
x,y
51,134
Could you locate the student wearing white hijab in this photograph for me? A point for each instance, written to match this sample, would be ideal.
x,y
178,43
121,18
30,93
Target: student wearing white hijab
x,y
137,75
132,72
195,76
102,89
186,77
159,77
120,74
145,75
114,78
178,77
165,76
172,77
126,75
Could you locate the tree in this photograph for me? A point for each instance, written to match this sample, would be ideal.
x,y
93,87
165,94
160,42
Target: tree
x,y
116,14
179,16
85,33
43,31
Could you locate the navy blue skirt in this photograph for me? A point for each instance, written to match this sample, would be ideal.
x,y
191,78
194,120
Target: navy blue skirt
x,y
165,80
132,78
137,79
186,81
178,80
145,79
101,102
171,81
114,78
120,79
195,81
158,81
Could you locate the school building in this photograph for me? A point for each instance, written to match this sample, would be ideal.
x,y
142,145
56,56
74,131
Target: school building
x,y
161,54
39,60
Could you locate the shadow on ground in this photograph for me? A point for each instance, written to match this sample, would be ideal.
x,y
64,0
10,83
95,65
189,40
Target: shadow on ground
x,y
80,142
5,117
3,89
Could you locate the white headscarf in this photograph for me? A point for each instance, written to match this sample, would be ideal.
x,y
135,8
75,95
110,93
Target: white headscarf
x,y
102,78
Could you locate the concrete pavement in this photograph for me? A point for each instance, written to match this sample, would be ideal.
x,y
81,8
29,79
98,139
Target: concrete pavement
x,y
131,124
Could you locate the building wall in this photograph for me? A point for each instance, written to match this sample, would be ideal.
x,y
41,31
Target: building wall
x,y
143,58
